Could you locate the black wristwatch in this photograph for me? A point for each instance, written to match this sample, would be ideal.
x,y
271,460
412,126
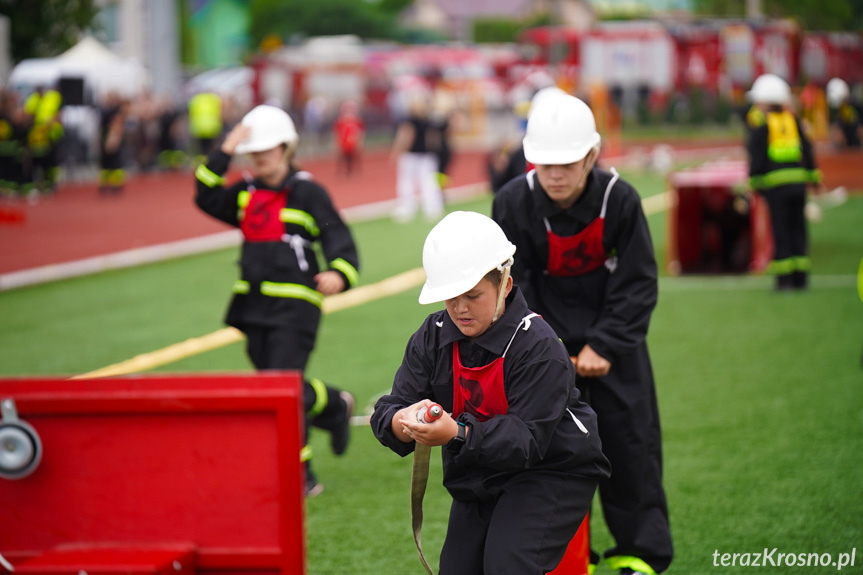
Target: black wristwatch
x,y
455,444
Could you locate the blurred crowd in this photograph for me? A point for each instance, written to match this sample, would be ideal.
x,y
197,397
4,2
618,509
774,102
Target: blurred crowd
x,y
42,140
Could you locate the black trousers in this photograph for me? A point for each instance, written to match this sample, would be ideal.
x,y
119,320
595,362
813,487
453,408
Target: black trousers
x,y
633,498
289,349
787,205
525,531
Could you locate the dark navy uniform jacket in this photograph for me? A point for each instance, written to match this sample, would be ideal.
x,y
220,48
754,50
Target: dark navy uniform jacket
x,y
277,286
547,426
608,310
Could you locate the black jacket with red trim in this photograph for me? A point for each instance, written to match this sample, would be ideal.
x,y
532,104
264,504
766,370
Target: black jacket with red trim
x,y
277,285
609,310
539,430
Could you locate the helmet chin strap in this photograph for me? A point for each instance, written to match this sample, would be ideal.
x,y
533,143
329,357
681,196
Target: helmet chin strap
x,y
595,152
501,290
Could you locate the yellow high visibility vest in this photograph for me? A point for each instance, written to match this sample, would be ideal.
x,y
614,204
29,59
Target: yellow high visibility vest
x,y
205,115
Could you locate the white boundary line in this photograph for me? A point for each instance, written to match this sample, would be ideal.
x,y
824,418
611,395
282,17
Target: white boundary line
x,y
202,244
118,260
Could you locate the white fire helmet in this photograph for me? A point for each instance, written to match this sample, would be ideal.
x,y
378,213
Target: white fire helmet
x,y
560,130
770,89
837,91
544,94
270,126
459,251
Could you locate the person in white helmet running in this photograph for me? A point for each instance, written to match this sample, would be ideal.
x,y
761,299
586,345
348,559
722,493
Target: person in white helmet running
x,y
521,453
277,300
588,267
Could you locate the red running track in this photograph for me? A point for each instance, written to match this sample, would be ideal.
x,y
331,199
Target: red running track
x,y
77,223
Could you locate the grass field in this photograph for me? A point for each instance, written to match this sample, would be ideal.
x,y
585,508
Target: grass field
x,y
761,394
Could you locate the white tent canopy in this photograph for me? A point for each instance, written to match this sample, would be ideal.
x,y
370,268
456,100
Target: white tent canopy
x,y
102,70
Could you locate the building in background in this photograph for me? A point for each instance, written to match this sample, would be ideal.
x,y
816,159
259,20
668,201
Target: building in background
x,y
218,33
455,18
148,31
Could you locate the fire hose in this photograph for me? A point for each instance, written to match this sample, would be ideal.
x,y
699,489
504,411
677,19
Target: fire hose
x,y
419,481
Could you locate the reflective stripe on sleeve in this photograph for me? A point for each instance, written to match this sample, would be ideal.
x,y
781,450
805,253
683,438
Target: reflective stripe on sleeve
x,y
208,177
350,271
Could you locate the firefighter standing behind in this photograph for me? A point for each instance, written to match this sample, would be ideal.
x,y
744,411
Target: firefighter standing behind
x,y
205,123
781,168
277,300
846,129
43,139
587,266
112,171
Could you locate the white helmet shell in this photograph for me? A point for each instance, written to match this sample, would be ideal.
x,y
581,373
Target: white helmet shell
x,y
770,89
543,95
270,127
837,91
459,251
561,130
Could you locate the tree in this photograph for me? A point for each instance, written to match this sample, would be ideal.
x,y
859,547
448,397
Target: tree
x,y
811,14
45,28
288,18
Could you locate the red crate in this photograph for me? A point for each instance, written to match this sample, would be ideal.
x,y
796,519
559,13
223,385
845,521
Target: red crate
x,y
135,462
702,195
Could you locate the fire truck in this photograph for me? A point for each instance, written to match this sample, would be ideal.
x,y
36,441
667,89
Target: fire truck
x,y
722,57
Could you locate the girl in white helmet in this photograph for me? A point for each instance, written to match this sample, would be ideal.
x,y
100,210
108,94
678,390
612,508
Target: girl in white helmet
x,y
521,453
587,266
277,301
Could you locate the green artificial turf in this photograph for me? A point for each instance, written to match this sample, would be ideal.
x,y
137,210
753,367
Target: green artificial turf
x,y
761,393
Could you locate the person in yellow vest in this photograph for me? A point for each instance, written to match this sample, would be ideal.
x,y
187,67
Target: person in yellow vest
x,y
43,138
782,169
846,129
205,122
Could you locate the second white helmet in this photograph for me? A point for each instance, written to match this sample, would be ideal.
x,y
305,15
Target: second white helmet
x,y
561,130
770,89
459,251
837,91
270,127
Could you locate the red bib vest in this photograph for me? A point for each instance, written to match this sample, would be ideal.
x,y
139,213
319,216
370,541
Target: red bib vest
x,y
480,390
261,221
583,252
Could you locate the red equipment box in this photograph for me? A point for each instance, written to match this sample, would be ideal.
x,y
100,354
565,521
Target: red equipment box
x,y
138,473
711,227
